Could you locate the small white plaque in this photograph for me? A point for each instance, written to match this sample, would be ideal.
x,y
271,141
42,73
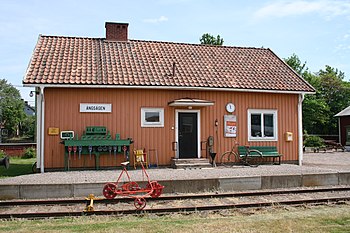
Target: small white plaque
x,y
95,107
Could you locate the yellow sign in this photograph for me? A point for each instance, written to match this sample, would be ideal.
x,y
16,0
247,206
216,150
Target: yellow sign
x,y
54,131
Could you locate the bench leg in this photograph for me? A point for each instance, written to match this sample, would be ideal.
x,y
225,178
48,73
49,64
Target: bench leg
x,y
279,161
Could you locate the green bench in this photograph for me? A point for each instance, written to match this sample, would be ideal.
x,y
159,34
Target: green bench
x,y
265,152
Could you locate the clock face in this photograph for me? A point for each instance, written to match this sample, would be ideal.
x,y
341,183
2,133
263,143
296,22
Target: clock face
x,y
230,107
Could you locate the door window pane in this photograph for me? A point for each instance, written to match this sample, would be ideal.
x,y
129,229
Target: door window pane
x,y
187,125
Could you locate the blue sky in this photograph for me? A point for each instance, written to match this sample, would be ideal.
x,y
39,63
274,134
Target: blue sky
x,y
318,31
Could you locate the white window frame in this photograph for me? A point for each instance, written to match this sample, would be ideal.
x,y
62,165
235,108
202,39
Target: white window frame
x,y
160,123
262,112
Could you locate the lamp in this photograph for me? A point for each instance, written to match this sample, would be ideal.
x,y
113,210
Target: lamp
x,y
216,122
31,94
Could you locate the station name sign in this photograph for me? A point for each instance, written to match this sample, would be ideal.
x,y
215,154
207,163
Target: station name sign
x,y
95,107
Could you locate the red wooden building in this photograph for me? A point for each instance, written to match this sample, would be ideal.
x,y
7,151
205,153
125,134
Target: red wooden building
x,y
166,96
344,126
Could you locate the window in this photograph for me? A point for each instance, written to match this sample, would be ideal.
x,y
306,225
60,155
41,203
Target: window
x,y
152,117
262,125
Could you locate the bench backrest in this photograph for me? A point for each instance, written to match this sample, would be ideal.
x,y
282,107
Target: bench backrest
x,y
262,149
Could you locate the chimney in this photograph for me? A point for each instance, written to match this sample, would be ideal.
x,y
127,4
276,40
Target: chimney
x,y
116,31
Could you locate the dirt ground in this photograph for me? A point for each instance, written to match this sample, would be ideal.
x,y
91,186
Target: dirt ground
x,y
329,159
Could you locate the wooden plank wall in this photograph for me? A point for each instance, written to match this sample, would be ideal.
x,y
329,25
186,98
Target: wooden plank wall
x,y
344,122
62,111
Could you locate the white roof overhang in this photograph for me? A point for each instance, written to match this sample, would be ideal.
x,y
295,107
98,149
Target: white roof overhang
x,y
187,102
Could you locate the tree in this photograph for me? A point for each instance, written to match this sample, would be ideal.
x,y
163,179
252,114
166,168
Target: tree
x,y
332,96
295,63
11,107
28,127
336,94
211,40
312,106
316,115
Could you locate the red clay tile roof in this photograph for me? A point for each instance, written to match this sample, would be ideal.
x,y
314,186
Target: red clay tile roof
x,y
91,61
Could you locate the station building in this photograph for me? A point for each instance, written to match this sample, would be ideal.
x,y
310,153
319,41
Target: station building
x,y
168,97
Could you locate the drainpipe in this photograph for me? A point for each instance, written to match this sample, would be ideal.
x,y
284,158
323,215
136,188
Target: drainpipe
x,y
38,124
339,130
41,127
300,129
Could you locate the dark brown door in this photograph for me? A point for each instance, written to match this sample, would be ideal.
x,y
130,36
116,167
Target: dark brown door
x,y
188,135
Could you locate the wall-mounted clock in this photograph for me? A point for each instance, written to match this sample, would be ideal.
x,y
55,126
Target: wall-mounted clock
x,y
230,107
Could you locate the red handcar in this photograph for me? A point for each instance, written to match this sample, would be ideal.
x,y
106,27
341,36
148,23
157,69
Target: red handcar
x,y
132,189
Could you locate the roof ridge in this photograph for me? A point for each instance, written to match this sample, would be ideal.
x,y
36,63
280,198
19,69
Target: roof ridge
x,y
70,37
155,41
205,45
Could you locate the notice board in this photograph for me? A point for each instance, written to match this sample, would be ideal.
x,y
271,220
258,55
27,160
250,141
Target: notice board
x,y
230,126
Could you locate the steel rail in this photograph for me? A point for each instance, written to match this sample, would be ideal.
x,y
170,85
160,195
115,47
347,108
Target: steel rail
x,y
175,197
161,211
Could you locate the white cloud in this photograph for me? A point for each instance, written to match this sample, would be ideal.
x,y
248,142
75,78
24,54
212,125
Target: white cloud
x,y
158,20
327,8
343,44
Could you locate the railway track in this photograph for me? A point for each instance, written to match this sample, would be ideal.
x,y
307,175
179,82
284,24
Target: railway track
x,y
173,204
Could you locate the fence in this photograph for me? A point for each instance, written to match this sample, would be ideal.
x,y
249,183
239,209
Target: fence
x,y
16,149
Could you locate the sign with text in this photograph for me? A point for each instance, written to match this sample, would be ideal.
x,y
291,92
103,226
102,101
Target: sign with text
x,y
54,131
230,124
95,107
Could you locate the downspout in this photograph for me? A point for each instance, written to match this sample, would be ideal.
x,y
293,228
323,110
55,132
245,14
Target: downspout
x,y
300,129
42,132
38,126
339,130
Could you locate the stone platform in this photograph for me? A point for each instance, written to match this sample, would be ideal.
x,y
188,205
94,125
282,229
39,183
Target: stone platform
x,y
319,169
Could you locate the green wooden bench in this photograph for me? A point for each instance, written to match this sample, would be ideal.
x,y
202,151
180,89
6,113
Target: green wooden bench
x,y
265,152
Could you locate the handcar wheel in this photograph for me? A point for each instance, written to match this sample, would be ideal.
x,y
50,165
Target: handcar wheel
x,y
157,189
156,193
140,203
109,191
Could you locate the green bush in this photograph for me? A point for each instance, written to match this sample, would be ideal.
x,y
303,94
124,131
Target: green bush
x,y
2,154
29,153
313,141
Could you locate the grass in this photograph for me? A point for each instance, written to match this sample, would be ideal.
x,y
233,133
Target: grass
x,y
18,166
290,219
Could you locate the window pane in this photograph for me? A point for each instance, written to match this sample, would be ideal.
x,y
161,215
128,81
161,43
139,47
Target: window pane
x,y
268,125
152,117
255,125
